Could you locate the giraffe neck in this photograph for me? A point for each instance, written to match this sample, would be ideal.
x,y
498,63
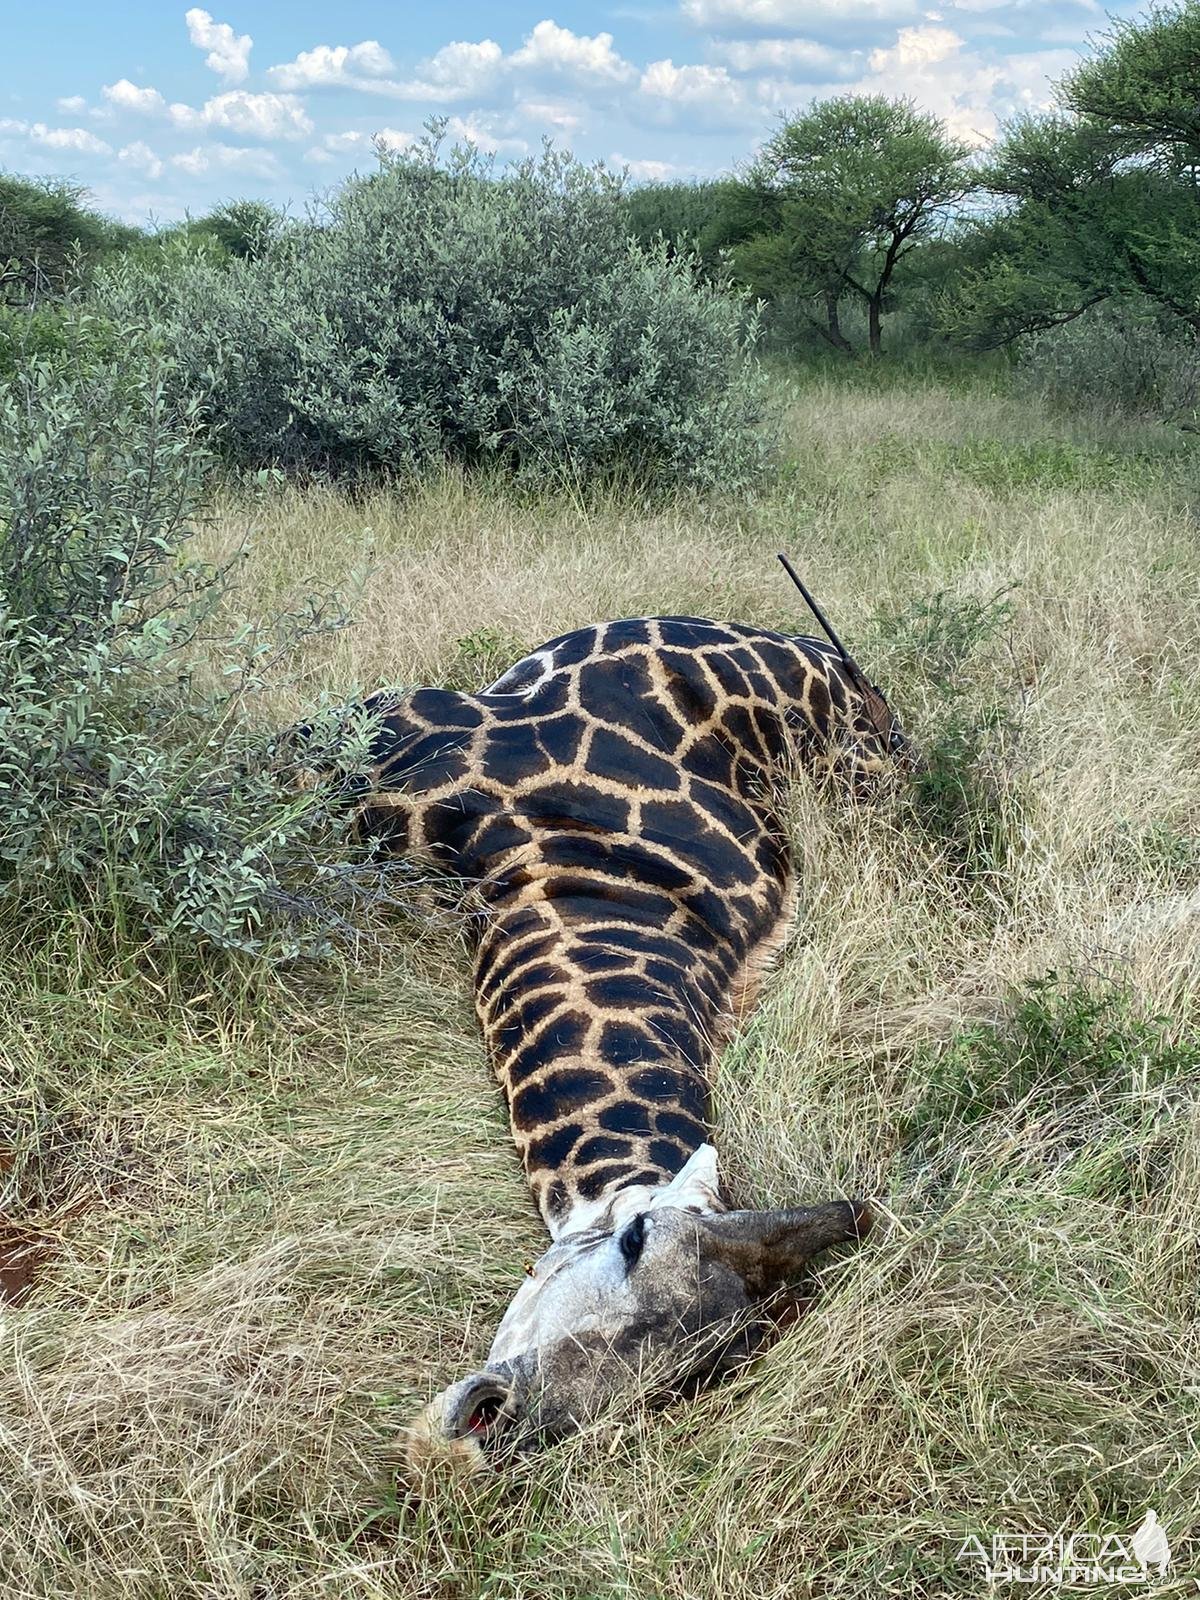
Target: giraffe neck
x,y
614,799
602,1030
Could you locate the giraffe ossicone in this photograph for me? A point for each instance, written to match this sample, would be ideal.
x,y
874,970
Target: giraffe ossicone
x,y
616,797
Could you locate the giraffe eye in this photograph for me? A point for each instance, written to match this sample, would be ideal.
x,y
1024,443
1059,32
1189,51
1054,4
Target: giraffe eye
x,y
632,1240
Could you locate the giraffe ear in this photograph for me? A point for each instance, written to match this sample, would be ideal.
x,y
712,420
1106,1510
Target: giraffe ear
x,y
697,1183
766,1248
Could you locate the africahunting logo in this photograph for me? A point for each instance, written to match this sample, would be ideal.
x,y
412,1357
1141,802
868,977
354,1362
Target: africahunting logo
x,y
1074,1558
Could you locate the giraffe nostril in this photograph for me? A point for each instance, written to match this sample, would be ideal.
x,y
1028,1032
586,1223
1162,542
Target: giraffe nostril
x,y
484,1415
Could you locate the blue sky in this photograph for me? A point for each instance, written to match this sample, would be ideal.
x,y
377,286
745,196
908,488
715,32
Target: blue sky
x,y
163,110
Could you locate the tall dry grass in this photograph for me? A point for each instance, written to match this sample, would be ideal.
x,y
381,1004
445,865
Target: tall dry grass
x,y
280,1209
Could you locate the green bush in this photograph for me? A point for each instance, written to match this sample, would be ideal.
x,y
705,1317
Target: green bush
x,y
130,782
441,312
49,239
1122,357
1072,1081
964,796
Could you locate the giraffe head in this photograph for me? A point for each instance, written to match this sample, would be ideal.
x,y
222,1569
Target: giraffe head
x,y
659,1298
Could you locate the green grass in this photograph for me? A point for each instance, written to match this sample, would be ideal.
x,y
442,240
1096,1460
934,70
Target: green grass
x,y
276,1210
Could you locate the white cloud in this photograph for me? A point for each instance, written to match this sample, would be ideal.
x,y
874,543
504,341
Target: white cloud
x,y
73,104
550,48
1028,79
458,71
710,91
392,138
917,48
356,142
345,141
259,116
126,96
226,158
647,171
463,69
265,116
141,158
794,16
787,55
934,66
256,116
335,65
65,139
228,53
489,134
559,114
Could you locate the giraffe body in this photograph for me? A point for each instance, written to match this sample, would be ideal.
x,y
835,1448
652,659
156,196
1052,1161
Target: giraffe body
x,y
615,799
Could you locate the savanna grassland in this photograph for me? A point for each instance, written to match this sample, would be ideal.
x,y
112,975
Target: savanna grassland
x,y
276,1206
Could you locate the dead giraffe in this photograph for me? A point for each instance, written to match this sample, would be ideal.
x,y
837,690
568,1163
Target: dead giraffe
x,y
614,797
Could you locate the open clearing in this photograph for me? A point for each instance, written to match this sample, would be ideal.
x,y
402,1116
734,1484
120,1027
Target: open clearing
x,y
276,1211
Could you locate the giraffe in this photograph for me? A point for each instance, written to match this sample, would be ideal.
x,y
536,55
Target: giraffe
x,y
615,799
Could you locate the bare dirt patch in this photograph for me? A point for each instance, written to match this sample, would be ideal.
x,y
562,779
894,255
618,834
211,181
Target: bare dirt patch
x,y
22,1254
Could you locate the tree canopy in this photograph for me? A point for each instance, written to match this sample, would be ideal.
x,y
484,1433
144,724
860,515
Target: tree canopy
x,y
858,182
1100,199
49,237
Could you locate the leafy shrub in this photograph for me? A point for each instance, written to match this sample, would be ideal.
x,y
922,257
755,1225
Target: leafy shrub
x,y
25,334
49,239
127,783
481,658
1073,1079
938,635
1121,357
1158,848
442,312
961,795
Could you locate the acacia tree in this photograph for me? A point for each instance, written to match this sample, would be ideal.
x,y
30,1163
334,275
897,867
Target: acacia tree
x,y
48,236
1101,199
861,181
1142,87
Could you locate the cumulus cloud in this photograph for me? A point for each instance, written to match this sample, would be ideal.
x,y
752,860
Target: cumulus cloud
x,y
140,158
645,170
458,71
667,89
353,66
355,142
73,104
126,96
805,56
493,135
550,48
228,53
934,66
80,139
490,133
259,116
463,69
561,115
